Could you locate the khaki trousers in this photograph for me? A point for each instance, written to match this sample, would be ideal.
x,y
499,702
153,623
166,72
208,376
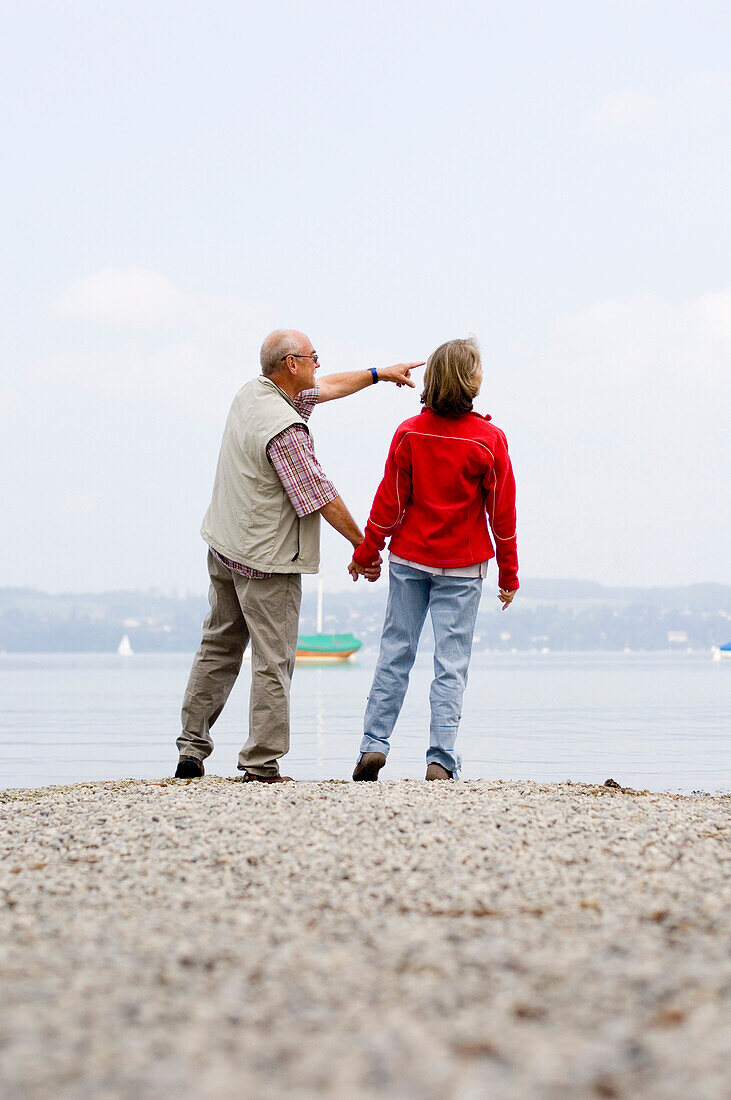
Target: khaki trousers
x,y
265,612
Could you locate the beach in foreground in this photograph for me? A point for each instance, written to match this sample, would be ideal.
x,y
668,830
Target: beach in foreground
x,y
402,939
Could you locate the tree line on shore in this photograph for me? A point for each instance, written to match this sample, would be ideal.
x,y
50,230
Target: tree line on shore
x,y
554,615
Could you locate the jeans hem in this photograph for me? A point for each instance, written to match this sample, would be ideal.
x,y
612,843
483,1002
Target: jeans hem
x,y
371,745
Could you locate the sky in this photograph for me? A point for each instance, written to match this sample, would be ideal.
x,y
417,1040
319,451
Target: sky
x,y
181,178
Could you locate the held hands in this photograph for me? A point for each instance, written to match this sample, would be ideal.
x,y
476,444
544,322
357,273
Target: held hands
x,y
400,373
371,572
506,597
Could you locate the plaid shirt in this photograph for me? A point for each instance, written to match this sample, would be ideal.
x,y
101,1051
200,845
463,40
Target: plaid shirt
x,y
293,458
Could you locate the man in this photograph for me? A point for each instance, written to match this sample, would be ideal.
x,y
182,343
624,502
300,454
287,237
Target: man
x,y
263,532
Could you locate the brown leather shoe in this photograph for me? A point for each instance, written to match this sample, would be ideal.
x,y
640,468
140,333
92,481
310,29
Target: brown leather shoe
x,y
436,771
189,767
249,777
368,767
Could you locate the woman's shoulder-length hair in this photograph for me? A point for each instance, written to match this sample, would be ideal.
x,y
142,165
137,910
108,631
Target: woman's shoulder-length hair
x,y
452,377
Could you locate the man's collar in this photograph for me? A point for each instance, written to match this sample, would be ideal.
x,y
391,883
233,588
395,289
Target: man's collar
x,y
285,395
283,392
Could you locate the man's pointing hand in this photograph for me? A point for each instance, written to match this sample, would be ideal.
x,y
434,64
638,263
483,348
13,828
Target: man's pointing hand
x,y
400,373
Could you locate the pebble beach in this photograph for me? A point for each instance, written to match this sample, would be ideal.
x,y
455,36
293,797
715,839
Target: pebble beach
x,y
464,940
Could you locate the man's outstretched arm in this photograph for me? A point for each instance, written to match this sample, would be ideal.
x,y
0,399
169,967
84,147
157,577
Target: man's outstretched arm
x,y
333,386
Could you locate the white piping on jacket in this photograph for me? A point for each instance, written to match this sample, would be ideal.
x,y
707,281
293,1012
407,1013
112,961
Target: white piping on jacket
x,y
430,435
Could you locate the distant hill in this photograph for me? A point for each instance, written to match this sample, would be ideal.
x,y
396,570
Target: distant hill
x,y
37,622
548,614
695,597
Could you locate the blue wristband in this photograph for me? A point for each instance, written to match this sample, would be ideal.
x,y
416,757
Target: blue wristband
x,y
374,372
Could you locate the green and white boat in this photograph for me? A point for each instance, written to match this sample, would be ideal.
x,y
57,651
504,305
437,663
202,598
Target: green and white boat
x,y
326,647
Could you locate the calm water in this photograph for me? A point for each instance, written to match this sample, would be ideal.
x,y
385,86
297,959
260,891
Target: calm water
x,y
660,721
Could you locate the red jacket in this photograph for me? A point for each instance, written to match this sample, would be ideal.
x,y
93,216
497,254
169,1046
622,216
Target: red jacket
x,y
443,478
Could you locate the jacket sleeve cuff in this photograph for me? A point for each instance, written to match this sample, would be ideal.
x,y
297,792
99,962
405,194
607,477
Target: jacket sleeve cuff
x,y
366,553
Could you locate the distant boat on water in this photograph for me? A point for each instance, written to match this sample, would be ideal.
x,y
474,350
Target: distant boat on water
x,y
124,649
321,647
721,652
325,647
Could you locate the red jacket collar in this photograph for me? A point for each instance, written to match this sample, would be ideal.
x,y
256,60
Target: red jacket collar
x,y
482,416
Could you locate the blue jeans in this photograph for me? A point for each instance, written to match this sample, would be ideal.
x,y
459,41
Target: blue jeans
x,y
452,603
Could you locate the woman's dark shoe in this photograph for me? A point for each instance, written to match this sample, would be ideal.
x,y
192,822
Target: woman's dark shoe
x,y
189,768
368,767
436,771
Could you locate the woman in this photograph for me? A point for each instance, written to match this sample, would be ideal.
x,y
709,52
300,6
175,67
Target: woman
x,y
447,471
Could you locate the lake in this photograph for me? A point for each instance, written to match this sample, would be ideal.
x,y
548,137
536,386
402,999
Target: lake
x,y
659,721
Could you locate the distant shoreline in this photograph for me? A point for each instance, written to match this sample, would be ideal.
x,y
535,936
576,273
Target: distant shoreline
x,y
372,650
563,616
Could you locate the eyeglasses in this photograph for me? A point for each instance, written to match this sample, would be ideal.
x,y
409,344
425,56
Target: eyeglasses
x,y
314,356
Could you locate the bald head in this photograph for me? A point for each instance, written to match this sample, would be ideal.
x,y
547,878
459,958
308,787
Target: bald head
x,y
279,344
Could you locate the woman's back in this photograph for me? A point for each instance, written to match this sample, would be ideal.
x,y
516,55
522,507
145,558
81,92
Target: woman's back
x,y
443,474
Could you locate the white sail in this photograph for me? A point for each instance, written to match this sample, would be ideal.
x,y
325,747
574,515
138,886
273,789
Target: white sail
x,y
124,649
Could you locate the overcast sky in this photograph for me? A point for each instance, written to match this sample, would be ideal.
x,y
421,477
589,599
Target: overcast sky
x,y
180,178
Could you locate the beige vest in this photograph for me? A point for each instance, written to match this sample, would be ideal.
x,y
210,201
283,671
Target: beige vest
x,y
250,518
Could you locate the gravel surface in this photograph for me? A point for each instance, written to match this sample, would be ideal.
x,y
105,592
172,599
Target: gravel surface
x,y
466,940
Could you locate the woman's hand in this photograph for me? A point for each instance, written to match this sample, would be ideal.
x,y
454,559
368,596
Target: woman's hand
x,y
371,572
506,597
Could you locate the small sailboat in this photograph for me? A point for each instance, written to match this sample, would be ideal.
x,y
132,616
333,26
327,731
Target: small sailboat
x,y
325,647
124,649
721,652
